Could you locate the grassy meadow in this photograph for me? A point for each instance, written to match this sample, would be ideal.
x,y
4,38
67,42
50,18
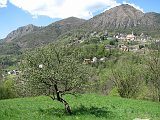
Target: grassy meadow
x,y
84,107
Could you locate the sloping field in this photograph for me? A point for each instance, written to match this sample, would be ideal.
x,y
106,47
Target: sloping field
x,y
84,107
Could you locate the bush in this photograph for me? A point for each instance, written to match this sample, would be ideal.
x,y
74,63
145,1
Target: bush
x,y
6,89
128,78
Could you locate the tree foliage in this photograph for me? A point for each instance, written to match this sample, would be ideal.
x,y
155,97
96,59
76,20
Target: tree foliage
x,y
128,78
154,68
93,50
7,89
54,72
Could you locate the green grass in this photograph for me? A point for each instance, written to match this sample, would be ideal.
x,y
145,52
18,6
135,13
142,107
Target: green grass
x,y
85,107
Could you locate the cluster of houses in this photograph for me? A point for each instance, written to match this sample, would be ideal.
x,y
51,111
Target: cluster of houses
x,y
133,48
132,37
119,36
13,72
123,39
94,60
122,36
10,72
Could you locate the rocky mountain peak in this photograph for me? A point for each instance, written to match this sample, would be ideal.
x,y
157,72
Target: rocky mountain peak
x,y
125,10
20,32
123,16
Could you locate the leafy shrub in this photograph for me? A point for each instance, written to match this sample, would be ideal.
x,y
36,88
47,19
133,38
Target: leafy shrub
x,y
6,89
128,78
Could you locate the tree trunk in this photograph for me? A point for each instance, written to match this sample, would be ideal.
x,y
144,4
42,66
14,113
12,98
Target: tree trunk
x,y
60,99
67,107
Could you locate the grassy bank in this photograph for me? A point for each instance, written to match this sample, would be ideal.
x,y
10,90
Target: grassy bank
x,y
85,107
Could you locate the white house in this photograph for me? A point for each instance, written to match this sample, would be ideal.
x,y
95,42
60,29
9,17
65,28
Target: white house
x,y
94,60
131,36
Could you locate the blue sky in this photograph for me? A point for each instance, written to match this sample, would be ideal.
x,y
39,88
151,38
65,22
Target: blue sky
x,y
17,13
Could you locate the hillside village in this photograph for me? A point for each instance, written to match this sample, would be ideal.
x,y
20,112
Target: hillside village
x,y
122,41
122,38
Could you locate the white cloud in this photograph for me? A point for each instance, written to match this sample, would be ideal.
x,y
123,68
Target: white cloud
x,y
63,8
3,3
137,7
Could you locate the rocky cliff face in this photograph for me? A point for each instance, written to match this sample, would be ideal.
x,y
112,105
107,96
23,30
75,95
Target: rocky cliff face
x,y
123,17
21,32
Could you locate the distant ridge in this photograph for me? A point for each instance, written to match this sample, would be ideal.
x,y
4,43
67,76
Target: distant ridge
x,y
21,31
123,18
30,36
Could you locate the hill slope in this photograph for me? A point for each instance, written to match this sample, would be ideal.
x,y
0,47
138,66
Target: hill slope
x,y
85,107
29,37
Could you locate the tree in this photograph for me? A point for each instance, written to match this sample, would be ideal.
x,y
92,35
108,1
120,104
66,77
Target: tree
x,y
54,72
7,89
154,68
94,40
128,78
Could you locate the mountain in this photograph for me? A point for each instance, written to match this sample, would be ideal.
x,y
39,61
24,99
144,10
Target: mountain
x,y
30,36
120,16
124,18
21,32
153,18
